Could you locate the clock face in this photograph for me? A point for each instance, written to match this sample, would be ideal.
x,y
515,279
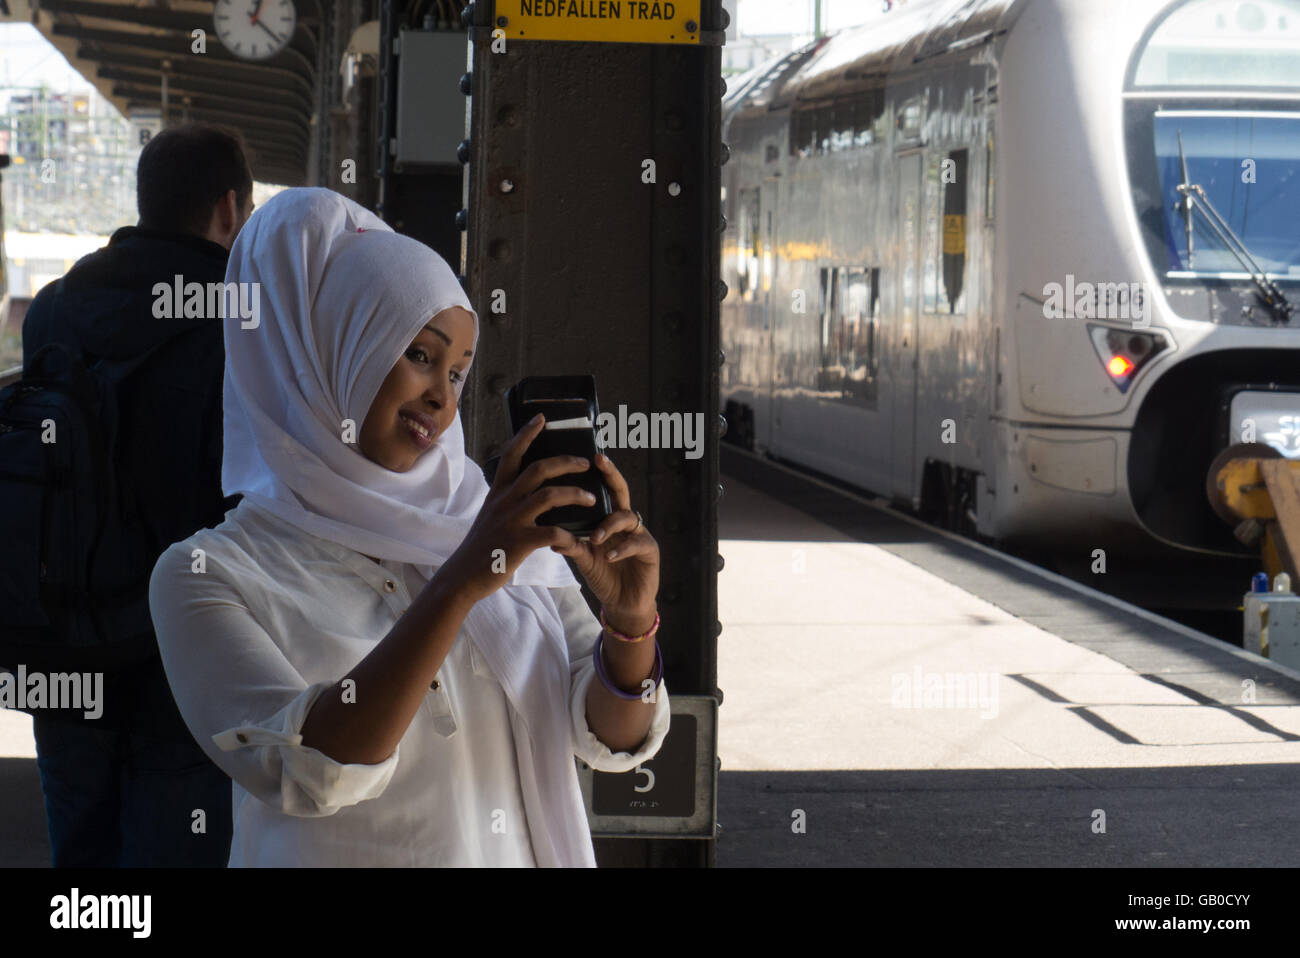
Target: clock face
x,y
254,29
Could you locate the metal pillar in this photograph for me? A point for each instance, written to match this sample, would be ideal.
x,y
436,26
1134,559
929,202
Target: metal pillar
x,y
419,202
601,272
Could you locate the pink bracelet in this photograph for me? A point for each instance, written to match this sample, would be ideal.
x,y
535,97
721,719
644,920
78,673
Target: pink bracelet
x,y
627,638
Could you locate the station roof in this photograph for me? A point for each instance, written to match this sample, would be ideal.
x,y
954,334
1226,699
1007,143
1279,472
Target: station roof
x,y
124,49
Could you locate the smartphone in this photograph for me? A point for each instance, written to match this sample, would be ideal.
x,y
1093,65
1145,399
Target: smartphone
x,y
571,410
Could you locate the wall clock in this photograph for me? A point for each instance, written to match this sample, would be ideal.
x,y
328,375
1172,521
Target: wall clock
x,y
254,29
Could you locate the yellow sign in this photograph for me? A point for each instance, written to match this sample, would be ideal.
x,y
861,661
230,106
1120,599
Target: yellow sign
x,y
954,235
610,21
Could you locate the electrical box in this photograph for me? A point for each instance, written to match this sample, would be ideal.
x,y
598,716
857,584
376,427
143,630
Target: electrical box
x,y
431,108
1272,627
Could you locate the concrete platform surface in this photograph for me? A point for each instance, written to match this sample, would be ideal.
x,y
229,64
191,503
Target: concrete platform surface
x,y
917,722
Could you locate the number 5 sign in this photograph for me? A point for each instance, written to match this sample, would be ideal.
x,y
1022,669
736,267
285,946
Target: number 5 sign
x,y
674,794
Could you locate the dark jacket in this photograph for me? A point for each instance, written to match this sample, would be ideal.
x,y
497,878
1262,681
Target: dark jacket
x,y
169,410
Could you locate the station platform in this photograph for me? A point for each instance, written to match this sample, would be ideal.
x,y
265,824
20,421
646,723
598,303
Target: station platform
x,y
927,701
916,699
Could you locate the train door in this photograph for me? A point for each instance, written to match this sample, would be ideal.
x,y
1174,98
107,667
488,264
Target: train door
x,y
903,354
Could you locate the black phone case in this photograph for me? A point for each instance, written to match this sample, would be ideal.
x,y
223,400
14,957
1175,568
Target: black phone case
x,y
558,398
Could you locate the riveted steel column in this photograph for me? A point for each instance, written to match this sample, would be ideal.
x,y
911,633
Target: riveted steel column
x,y
577,265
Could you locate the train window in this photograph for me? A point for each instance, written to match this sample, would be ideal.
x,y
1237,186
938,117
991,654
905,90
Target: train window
x,y
873,315
930,237
843,125
990,176
909,120
749,247
1205,148
831,331
850,313
766,248
803,132
952,277
846,123
869,119
825,120
860,362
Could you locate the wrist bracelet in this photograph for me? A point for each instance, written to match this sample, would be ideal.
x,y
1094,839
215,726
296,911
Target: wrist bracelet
x,y
657,673
627,638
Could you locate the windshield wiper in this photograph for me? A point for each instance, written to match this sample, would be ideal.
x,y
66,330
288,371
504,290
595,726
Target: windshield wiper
x,y
1186,204
1268,291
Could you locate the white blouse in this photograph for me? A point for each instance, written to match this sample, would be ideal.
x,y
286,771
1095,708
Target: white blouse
x,y
267,617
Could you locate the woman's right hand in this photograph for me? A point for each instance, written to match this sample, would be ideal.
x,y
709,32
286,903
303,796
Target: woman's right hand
x,y
504,533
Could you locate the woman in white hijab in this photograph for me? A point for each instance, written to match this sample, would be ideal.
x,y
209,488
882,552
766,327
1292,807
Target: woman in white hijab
x,y
311,638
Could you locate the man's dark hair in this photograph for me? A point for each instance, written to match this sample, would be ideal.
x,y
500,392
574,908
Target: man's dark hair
x,y
185,170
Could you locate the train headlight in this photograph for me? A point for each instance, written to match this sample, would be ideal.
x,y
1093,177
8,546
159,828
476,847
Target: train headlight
x,y
1123,352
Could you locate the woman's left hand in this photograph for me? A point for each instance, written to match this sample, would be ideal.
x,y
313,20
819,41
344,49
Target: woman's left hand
x,y
628,582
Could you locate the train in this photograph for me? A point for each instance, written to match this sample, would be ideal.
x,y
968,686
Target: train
x,y
1023,266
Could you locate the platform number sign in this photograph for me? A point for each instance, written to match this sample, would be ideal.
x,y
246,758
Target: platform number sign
x,y
672,795
144,126
664,785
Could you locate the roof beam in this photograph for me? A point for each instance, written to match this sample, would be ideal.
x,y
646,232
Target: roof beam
x,y
291,142
184,71
266,112
180,49
157,18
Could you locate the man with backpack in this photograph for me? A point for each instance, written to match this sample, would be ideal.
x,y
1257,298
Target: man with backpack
x,y
132,400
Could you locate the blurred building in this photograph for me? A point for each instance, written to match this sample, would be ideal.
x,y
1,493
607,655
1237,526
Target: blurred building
x,y
744,51
73,162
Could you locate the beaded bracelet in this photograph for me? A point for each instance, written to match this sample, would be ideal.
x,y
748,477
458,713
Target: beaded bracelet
x,y
597,657
627,638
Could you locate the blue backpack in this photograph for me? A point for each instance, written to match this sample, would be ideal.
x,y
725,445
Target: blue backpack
x,y
76,555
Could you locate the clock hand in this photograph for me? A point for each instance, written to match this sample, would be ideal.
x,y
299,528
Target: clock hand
x,y
270,31
256,12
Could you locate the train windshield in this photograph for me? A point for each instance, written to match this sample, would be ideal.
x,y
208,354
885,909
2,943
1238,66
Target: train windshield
x,y
1248,165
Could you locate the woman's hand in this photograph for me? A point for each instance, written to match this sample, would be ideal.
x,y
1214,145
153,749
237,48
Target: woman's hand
x,y
504,533
620,565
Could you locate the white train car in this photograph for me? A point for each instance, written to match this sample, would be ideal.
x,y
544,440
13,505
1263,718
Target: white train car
x,y
961,273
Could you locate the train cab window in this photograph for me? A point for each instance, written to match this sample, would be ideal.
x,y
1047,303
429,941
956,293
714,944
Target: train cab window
x,y
1236,155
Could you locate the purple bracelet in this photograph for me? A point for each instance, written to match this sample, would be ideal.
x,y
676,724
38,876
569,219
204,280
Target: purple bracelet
x,y
604,678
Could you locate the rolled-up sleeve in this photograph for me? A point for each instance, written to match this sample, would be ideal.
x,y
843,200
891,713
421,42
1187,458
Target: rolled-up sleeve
x,y
581,629
242,700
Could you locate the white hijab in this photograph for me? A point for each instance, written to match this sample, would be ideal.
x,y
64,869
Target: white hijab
x,y
342,296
